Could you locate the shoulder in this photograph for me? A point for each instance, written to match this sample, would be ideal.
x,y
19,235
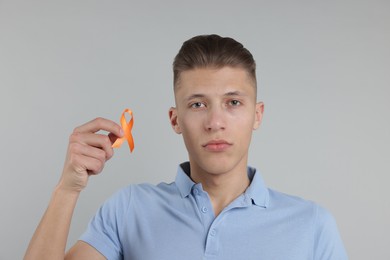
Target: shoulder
x,y
297,206
147,190
279,199
327,243
136,196
143,191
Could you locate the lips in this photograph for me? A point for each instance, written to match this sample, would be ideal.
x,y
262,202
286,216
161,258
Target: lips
x,y
217,145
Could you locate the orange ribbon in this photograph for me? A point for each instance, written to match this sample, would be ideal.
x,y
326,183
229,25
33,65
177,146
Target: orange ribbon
x,y
127,131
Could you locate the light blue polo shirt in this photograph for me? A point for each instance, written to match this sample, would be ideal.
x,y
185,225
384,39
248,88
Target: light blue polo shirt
x,y
176,222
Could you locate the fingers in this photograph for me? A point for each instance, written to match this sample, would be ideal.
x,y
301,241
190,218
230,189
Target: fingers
x,y
94,145
100,124
112,137
86,142
84,163
87,152
85,134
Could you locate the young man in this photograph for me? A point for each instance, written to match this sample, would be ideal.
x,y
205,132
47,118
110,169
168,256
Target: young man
x,y
218,207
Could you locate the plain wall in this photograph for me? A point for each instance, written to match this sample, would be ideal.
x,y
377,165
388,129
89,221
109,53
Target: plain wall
x,y
323,72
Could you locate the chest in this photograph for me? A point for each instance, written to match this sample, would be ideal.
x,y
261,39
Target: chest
x,y
240,233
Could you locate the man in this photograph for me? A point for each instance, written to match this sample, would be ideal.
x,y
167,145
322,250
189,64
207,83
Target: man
x,y
218,207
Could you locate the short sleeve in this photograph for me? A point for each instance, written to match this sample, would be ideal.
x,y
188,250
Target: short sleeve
x,y
327,241
103,232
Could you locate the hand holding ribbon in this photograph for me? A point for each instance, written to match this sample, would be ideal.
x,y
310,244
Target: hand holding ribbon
x,y
127,131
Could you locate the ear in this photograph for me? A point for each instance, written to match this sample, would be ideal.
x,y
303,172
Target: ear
x,y
173,120
258,115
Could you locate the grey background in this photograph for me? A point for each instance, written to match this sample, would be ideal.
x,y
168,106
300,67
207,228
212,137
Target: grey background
x,y
323,69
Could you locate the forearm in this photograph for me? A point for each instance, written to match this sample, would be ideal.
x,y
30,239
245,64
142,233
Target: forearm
x,y
86,155
50,237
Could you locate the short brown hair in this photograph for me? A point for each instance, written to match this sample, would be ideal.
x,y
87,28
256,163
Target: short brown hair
x,y
213,51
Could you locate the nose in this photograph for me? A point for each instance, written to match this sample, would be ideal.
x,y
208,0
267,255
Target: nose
x,y
215,119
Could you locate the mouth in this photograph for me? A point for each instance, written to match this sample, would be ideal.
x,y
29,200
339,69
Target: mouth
x,y
217,145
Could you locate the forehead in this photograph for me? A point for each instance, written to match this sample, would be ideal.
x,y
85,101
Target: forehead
x,y
214,81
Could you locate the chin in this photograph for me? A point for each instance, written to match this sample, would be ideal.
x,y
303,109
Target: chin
x,y
217,166
217,163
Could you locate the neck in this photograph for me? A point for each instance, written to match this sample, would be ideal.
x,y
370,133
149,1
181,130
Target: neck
x,y
222,188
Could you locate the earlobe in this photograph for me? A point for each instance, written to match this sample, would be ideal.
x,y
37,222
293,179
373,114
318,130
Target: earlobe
x,y
173,120
258,115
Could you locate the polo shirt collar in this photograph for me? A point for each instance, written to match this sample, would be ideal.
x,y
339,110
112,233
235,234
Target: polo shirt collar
x,y
257,191
183,180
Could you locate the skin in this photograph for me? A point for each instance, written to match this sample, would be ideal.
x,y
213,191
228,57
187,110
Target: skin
x,y
217,106
216,112
86,155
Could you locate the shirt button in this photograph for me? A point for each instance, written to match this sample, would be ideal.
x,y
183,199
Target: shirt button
x,y
213,232
204,209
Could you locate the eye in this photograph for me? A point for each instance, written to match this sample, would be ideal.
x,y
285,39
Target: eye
x,y
234,102
197,105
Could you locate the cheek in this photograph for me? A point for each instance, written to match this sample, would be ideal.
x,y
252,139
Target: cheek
x,y
244,119
190,120
189,126
191,136
243,126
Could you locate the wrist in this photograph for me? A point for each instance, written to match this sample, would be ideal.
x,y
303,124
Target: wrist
x,y
65,191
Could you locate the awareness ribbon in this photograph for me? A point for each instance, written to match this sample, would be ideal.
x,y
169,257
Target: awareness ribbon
x,y
127,131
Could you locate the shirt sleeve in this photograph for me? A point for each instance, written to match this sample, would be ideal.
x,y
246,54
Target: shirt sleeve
x,y
103,232
327,241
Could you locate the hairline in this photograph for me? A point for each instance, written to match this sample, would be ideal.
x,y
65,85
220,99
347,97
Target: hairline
x,y
251,78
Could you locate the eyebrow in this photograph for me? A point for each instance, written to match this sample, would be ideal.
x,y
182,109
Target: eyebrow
x,y
194,96
227,94
235,93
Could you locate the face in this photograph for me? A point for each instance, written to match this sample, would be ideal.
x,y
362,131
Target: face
x,y
216,112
